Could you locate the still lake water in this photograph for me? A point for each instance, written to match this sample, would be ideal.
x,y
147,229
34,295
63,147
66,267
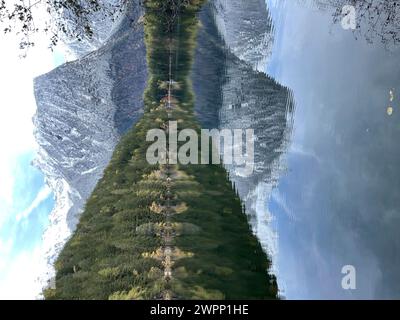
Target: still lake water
x,y
338,203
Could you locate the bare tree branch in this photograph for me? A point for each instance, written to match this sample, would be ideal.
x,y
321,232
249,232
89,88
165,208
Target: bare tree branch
x,y
66,18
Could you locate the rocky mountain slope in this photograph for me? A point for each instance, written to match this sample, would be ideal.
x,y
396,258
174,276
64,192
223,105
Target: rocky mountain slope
x,y
246,28
82,109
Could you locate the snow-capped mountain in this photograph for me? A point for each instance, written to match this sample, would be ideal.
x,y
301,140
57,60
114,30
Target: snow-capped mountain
x,y
83,107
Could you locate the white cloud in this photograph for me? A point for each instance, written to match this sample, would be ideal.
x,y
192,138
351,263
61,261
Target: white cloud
x,y
17,106
301,150
280,200
43,194
16,93
18,276
5,246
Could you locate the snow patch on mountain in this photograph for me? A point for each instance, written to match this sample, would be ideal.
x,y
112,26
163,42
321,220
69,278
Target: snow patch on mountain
x,y
247,29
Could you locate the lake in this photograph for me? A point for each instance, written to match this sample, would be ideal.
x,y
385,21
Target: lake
x,y
337,204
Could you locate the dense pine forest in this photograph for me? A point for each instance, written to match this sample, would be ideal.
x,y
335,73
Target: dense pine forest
x,y
164,231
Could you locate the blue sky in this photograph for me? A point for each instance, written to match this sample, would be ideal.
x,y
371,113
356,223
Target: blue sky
x,y
25,199
32,200
22,229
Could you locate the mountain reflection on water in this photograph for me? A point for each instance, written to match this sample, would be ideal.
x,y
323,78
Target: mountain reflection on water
x,y
233,93
338,203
